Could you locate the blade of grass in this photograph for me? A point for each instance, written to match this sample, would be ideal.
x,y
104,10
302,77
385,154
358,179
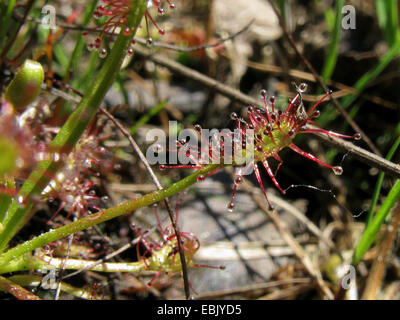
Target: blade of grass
x,y
379,182
80,42
6,20
379,267
81,81
13,31
369,235
386,11
282,7
371,75
146,117
61,55
331,58
364,81
360,86
124,92
85,79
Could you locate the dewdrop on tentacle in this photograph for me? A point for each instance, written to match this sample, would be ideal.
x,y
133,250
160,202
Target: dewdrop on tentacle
x,y
76,182
116,13
103,53
148,17
338,170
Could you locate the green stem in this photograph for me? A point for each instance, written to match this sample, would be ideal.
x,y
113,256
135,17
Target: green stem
x,y
63,143
105,215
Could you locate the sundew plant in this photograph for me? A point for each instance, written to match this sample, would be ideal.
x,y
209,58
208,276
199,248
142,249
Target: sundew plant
x,y
195,149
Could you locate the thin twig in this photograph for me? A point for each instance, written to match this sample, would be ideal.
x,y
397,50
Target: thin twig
x,y
250,288
288,293
196,76
196,48
70,26
344,90
302,218
361,154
